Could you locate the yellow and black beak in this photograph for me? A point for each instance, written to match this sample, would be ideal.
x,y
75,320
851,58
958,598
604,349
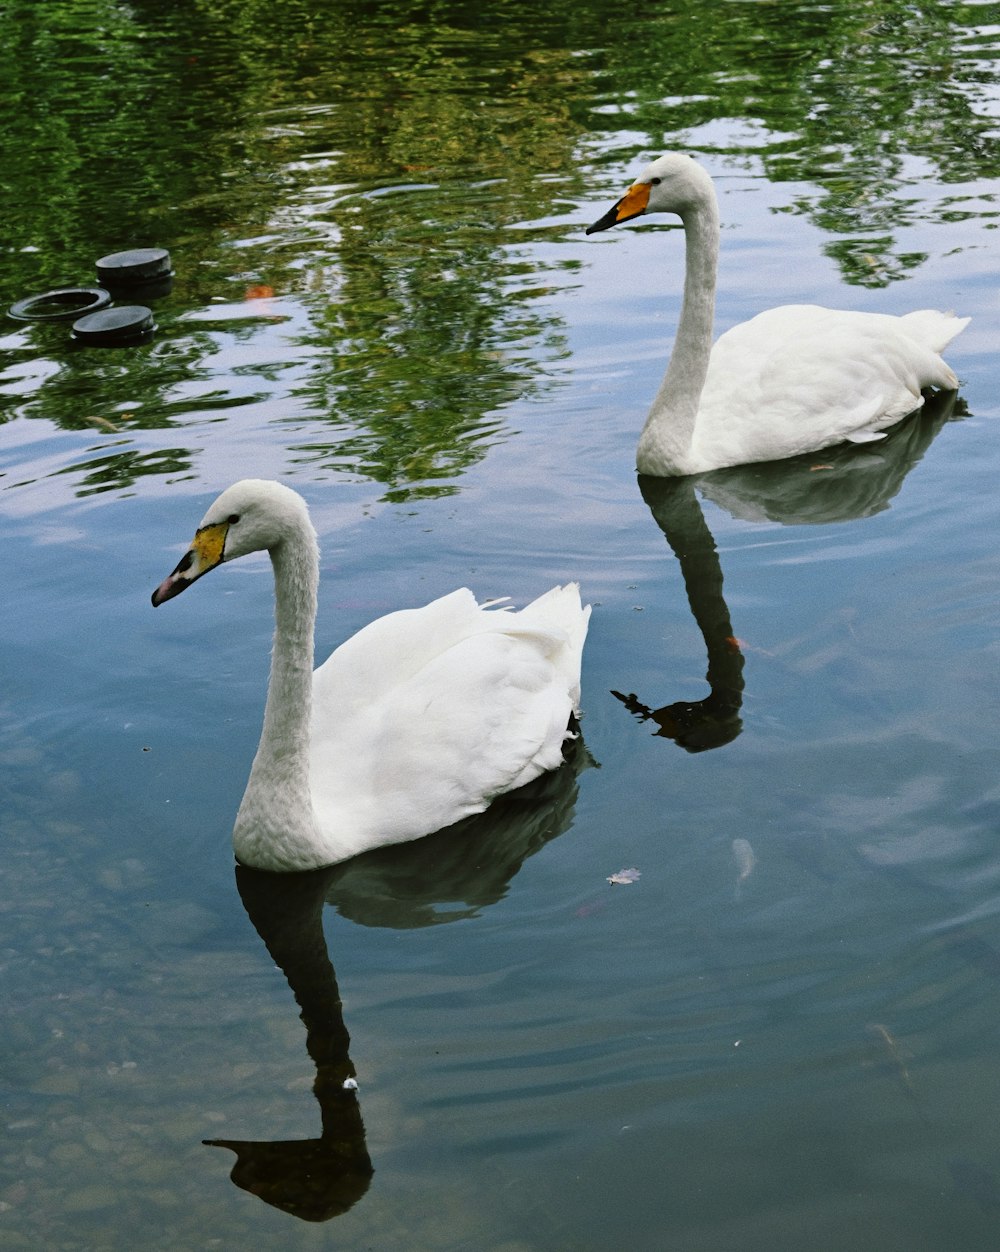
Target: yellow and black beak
x,y
632,203
206,552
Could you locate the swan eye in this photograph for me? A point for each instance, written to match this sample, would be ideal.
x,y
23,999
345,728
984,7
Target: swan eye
x,y
232,519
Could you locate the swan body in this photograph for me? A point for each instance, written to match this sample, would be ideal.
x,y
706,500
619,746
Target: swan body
x,y
420,719
793,379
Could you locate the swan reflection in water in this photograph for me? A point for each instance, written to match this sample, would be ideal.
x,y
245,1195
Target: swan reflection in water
x,y
835,485
440,878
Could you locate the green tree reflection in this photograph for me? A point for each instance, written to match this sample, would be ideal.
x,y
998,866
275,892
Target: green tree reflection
x,y
381,174
368,165
857,100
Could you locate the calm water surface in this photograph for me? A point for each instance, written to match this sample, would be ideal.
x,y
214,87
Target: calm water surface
x,y
783,1034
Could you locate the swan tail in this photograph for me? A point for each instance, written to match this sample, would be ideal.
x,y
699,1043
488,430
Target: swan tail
x,y
561,609
561,606
933,329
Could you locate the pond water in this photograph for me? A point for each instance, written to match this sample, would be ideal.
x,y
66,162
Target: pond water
x,y
783,1033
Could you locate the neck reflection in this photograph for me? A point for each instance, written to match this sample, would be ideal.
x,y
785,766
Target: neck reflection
x,y
443,877
696,725
838,484
314,1179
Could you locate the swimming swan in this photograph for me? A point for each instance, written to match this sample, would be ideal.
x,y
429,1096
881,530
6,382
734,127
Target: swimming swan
x,y
791,380
418,720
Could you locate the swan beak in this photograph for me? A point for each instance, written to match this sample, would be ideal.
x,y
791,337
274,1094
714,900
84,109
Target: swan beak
x,y
206,552
632,203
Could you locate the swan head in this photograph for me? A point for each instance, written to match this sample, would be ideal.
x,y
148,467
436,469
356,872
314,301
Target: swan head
x,y
250,516
673,183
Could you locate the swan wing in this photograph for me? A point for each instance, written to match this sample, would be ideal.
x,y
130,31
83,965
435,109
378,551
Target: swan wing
x,y
425,716
798,378
391,649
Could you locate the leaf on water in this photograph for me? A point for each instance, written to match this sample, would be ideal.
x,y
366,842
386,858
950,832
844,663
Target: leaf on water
x,y
624,876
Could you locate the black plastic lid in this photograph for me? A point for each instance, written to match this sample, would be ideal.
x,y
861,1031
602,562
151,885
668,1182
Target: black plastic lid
x,y
59,304
129,323
138,265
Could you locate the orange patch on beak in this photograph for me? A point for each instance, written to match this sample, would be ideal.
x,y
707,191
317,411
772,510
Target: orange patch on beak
x,y
633,202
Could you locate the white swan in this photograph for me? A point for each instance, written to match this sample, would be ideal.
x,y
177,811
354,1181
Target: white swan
x,y
791,380
418,720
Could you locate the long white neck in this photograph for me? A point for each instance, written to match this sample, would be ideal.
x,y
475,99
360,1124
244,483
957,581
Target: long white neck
x,y
276,821
665,443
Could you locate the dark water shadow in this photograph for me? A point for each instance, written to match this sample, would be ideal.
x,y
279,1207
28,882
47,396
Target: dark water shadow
x,y
314,1179
838,484
441,878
